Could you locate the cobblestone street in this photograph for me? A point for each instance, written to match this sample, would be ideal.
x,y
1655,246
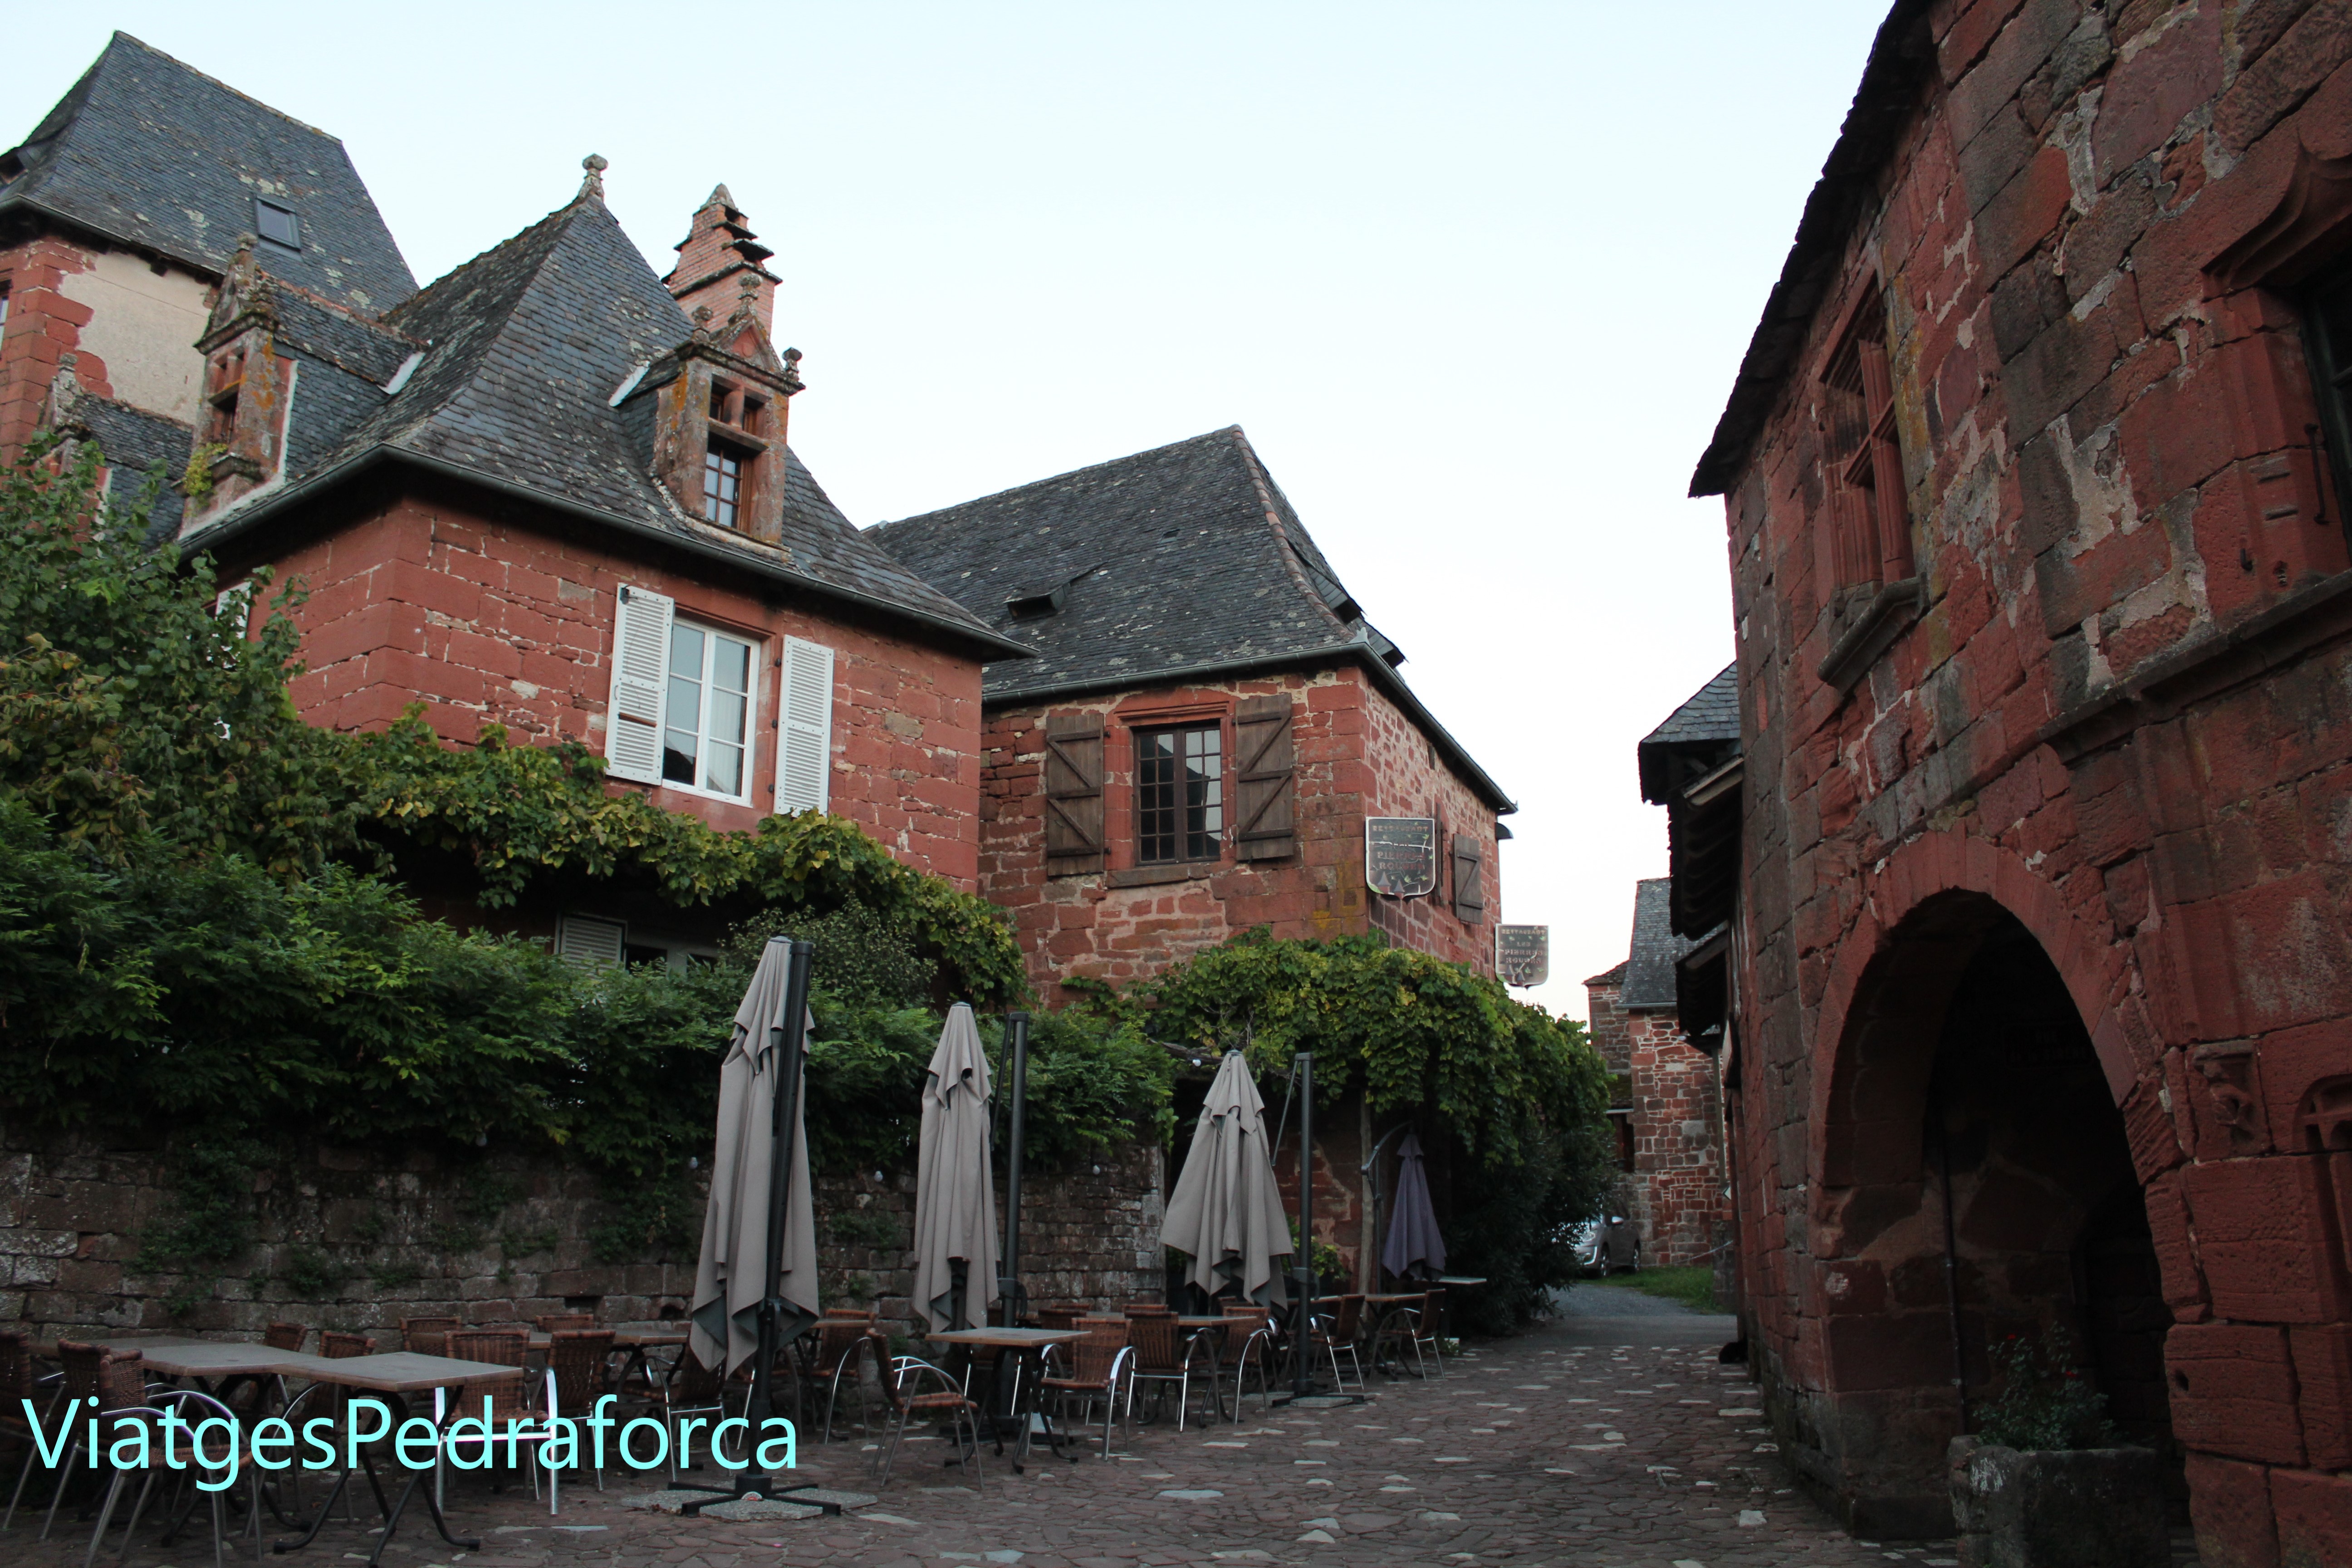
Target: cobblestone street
x,y
1594,1439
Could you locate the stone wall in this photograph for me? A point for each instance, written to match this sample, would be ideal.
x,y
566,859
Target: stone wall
x,y
357,1241
2100,692
1675,1193
131,329
1356,754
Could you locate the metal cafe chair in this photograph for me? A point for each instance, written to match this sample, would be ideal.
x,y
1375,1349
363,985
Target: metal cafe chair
x,y
190,1407
910,1402
1163,1355
1098,1365
1331,1336
1249,1341
512,1407
21,1383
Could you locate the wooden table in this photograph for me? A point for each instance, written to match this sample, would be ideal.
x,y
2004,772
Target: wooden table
x,y
395,1372
1030,1346
623,1338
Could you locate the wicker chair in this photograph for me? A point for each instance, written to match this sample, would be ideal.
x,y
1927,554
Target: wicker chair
x,y
579,1362
1339,1333
20,1381
118,1380
285,1336
1090,1369
1249,1341
902,1387
555,1322
836,1348
510,1397
427,1336
1060,1314
190,1408
1149,1309
1164,1354
690,1389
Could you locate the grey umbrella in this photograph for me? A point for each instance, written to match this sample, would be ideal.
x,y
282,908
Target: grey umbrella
x,y
1226,1212
955,1200
1413,1246
732,1277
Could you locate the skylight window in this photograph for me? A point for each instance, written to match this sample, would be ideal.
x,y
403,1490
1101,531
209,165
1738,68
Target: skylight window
x,y
276,225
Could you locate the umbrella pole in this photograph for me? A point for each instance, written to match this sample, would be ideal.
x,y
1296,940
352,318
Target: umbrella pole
x,y
1016,1030
791,1039
1302,1365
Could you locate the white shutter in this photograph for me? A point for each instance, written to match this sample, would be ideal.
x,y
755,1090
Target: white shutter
x,y
804,727
582,940
632,715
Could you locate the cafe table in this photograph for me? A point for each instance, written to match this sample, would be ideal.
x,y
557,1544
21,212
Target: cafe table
x,y
396,1373
1029,1346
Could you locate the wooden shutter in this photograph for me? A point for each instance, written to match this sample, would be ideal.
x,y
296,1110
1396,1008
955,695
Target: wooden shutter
x,y
1268,779
1073,793
804,727
633,710
1469,888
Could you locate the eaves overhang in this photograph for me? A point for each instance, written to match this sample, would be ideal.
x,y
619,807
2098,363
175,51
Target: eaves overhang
x,y
983,645
1356,650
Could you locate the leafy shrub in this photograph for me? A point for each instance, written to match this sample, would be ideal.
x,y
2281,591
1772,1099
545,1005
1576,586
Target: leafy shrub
x,y
2045,1401
310,1274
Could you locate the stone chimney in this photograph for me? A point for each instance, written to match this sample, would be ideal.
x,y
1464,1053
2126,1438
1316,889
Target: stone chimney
x,y
718,250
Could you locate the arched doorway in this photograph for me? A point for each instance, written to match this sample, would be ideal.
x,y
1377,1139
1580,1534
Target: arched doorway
x,y
1976,1183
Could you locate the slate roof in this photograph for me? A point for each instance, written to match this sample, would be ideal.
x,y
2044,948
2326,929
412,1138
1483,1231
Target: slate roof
x,y
1180,561
523,348
1650,966
136,444
1611,976
154,155
1901,57
1711,714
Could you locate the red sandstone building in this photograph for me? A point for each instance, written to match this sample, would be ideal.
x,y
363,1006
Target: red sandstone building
x,y
1203,724
553,492
2035,483
1668,1109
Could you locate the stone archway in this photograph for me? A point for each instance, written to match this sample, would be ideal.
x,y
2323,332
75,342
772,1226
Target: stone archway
x,y
1972,1180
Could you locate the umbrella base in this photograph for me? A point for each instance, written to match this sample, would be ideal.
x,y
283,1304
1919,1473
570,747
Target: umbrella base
x,y
748,1488
1318,1400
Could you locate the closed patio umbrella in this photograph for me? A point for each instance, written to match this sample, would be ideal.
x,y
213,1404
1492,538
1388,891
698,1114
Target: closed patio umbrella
x,y
733,1276
955,1201
1413,1246
1226,1212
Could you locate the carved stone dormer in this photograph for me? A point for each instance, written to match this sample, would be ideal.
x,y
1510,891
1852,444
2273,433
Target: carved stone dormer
x,y
248,385
721,419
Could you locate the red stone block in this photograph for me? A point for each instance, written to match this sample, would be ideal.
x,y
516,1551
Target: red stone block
x,y
2229,1503
2264,1241
2232,1392
2322,1372
2315,1518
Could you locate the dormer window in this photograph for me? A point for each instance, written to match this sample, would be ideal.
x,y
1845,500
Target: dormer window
x,y
278,226
748,421
223,384
722,483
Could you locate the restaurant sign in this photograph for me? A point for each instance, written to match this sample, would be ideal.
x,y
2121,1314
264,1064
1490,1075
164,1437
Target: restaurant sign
x,y
1400,856
1523,954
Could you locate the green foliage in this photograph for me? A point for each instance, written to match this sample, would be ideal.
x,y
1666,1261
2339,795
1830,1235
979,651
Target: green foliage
x,y
651,1220
857,1227
396,1274
310,1274
1519,1092
201,921
208,1220
1691,1284
1498,1075
2045,1401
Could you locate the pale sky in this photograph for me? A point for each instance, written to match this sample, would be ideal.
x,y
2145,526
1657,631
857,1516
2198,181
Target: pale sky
x,y
1475,278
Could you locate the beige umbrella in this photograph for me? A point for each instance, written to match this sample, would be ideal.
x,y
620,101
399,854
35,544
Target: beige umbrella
x,y
732,1275
955,1200
1225,1211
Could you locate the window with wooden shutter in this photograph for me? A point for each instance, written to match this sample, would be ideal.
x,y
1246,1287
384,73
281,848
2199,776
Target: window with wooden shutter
x,y
804,727
1469,886
1073,793
1267,782
633,714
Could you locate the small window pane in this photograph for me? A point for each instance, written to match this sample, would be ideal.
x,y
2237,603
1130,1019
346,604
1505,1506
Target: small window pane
x,y
276,225
709,714
731,665
1179,795
721,481
725,774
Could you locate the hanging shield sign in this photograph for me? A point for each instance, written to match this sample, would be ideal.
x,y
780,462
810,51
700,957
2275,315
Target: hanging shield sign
x,y
1523,954
1400,856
